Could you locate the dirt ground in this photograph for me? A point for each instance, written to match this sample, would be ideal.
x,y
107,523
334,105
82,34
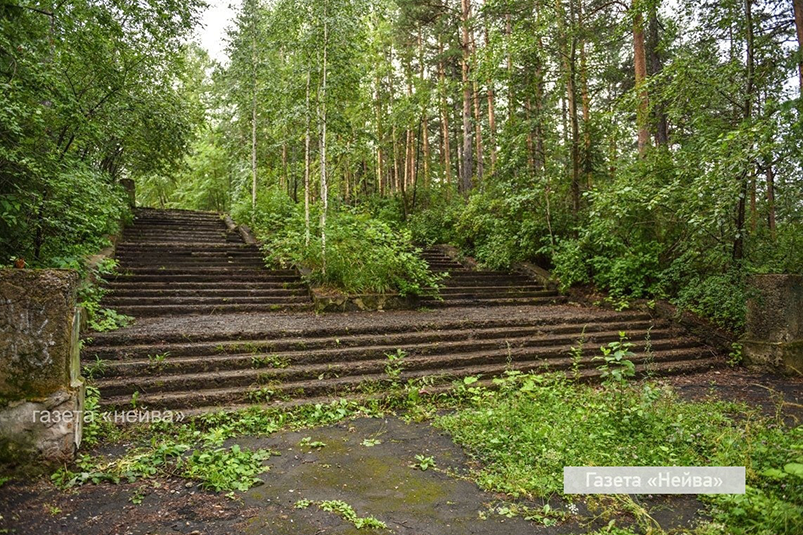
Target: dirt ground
x,y
379,481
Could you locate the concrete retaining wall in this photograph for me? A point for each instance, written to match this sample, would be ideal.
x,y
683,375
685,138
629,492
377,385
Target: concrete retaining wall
x,y
774,326
41,390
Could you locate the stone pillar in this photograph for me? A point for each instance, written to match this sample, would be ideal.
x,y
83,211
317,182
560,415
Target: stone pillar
x,y
41,390
130,188
774,327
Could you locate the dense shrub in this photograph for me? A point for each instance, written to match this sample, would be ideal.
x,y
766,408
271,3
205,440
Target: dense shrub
x,y
72,216
363,253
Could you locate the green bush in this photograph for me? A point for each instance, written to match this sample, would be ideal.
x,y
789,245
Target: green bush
x,y
72,216
363,254
524,433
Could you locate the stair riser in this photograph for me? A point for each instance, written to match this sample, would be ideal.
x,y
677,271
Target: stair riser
x,y
211,301
112,339
245,392
216,293
560,334
256,277
392,340
524,301
204,286
207,310
496,349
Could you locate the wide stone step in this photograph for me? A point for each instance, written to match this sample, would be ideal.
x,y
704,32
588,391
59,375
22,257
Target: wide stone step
x,y
116,344
255,275
587,375
123,302
485,294
184,248
222,291
493,301
222,394
136,259
143,363
189,230
204,269
142,311
390,342
451,290
144,259
195,267
239,285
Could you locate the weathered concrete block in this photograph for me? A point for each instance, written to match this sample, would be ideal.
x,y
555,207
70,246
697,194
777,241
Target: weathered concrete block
x,y
329,301
39,364
774,326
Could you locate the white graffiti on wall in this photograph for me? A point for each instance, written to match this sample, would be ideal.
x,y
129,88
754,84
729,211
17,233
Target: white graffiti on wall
x,y
25,333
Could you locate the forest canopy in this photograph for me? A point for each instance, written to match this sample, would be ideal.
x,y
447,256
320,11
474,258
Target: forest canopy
x,y
650,148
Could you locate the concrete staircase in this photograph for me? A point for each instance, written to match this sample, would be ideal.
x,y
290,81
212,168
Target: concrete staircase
x,y
197,352
183,262
464,287
205,371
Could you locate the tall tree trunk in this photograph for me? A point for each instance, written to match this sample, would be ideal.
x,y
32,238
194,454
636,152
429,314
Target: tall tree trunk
x,y
379,138
285,184
585,99
477,114
530,135
491,113
511,96
798,7
770,173
408,144
447,150
569,54
253,123
738,242
640,62
395,184
324,184
424,111
656,66
478,132
307,168
466,169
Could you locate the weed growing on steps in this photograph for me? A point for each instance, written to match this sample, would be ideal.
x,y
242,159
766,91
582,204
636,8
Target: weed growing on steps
x,y
94,370
156,362
395,364
307,442
269,361
344,511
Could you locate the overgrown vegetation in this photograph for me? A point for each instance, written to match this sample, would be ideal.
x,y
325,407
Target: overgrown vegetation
x,y
648,148
362,255
521,432
90,93
534,425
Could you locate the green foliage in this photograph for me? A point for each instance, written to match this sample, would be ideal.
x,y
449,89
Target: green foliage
x,y
347,513
226,469
617,367
535,425
363,254
307,442
423,462
89,96
721,298
106,319
95,427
